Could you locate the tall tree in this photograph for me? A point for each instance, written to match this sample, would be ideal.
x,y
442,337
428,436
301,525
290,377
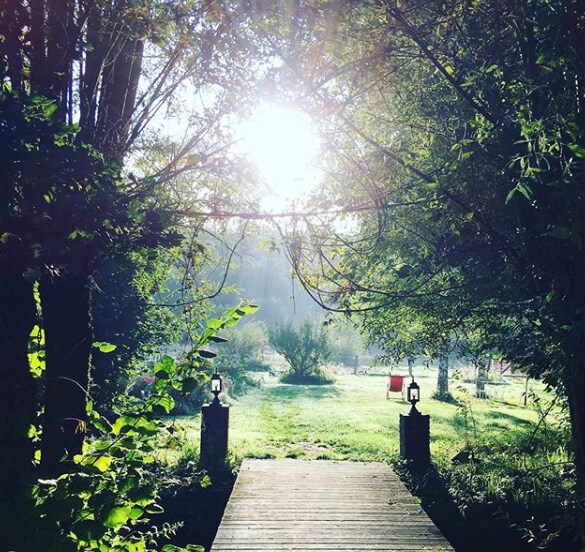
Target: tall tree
x,y
460,124
79,82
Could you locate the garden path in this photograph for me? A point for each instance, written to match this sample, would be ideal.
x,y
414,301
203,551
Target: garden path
x,y
322,505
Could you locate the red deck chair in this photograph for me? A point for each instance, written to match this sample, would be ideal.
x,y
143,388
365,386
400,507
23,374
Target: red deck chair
x,y
395,385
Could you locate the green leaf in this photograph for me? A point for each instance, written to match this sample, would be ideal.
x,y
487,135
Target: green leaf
x,y
104,346
166,402
189,384
578,150
525,190
214,323
103,463
248,309
117,516
205,482
136,546
136,512
49,108
123,424
218,339
131,482
206,354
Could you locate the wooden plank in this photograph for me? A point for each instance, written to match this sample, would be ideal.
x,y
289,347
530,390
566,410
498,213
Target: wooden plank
x,y
320,505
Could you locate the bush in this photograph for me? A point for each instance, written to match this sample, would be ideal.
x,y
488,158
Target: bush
x,y
317,377
304,348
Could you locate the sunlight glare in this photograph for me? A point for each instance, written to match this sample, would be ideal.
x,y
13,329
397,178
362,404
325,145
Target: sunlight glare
x,y
284,146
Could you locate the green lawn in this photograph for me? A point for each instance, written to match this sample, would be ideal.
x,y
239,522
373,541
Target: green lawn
x,y
353,420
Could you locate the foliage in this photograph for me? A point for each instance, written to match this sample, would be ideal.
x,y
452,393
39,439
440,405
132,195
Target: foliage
x,y
106,502
245,342
527,480
459,126
124,313
305,348
240,354
315,377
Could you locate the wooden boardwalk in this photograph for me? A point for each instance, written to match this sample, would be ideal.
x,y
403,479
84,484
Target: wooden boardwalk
x,y
322,505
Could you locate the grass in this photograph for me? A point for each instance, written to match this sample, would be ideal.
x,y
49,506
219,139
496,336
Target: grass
x,y
353,420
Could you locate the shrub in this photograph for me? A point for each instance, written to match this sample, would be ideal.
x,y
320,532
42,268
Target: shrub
x,y
317,377
304,348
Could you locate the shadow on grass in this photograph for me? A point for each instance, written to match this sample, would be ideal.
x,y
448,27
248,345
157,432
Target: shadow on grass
x,y
286,391
511,418
463,423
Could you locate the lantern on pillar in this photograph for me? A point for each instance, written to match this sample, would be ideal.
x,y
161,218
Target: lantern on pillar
x,y
413,394
216,385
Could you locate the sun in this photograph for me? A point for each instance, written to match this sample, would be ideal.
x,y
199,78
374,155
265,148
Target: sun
x,y
284,145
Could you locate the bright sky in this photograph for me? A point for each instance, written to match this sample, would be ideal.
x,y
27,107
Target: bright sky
x,y
285,147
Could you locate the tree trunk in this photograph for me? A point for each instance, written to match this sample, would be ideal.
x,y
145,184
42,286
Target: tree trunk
x,y
410,359
68,333
17,409
443,377
483,368
574,386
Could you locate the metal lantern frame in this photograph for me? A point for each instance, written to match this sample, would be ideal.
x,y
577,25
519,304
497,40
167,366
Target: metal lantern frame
x,y
216,386
413,393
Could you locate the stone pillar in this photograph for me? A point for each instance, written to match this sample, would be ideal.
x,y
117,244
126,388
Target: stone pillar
x,y
214,435
415,439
